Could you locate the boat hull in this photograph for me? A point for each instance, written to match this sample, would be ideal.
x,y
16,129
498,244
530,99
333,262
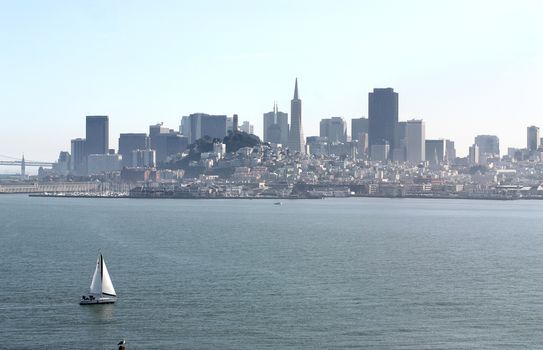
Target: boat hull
x,y
100,300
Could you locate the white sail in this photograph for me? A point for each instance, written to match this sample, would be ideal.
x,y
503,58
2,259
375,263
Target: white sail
x,y
96,284
107,286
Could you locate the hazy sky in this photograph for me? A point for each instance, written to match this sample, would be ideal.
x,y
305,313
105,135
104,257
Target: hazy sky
x,y
465,67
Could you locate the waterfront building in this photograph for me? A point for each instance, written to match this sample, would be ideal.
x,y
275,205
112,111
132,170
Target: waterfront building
x,y
415,137
97,134
296,135
79,156
131,142
532,138
383,117
358,126
334,129
489,145
103,163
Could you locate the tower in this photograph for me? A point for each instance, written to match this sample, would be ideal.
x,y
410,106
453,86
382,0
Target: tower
x,y
383,117
23,167
415,140
97,134
532,139
235,126
296,135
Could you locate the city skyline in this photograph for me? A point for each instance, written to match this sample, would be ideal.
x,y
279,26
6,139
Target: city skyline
x,y
483,74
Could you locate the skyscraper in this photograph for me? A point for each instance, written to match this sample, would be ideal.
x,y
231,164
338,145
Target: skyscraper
x,y
489,145
202,124
79,157
415,137
276,126
132,142
474,154
450,153
435,151
358,126
383,117
334,129
532,138
296,136
97,134
154,132
247,127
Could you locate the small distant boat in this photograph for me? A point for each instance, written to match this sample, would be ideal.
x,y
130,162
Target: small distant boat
x,y
101,288
278,203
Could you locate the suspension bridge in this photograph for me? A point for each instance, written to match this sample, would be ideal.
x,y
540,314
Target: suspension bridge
x,y
21,162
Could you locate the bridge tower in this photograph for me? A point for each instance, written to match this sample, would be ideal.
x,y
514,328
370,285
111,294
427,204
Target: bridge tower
x,y
23,170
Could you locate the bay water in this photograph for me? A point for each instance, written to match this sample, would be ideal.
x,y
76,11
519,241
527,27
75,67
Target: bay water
x,y
248,274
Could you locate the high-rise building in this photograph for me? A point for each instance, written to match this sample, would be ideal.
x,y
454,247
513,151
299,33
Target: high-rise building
x,y
358,126
247,127
318,146
184,128
399,153
474,154
415,137
362,148
334,129
79,156
131,142
383,117
169,144
143,158
489,145
435,151
450,153
154,132
201,124
532,138
104,163
63,165
276,126
380,152
296,136
97,134
235,123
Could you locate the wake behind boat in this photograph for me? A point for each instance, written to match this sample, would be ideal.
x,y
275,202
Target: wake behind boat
x,y
101,288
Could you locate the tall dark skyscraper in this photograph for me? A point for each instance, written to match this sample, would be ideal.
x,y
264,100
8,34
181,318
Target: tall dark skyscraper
x,y
383,117
97,134
296,135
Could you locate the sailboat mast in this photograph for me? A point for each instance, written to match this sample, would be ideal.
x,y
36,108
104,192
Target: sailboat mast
x,y
101,269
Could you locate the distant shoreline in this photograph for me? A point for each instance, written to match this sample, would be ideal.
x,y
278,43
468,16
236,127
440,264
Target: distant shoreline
x,y
285,198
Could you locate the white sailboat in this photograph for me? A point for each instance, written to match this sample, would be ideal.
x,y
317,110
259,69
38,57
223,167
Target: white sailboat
x,y
101,288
